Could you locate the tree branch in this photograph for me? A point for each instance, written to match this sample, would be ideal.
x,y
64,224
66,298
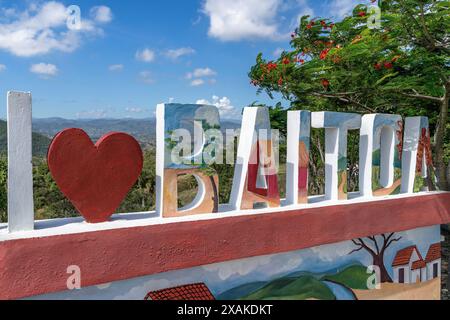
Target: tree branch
x,y
374,240
417,95
362,244
393,240
342,97
355,250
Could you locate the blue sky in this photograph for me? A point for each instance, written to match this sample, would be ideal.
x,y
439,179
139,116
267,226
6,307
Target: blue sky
x,y
127,56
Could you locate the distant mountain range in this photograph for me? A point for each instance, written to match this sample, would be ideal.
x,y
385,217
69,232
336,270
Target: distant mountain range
x,y
44,129
142,130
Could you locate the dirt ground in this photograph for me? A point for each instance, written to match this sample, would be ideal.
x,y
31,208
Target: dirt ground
x,y
428,290
445,256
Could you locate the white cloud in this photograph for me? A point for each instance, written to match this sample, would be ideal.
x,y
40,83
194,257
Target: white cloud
x,y
135,110
44,69
104,286
146,77
7,13
41,29
242,19
305,10
92,114
115,67
201,73
237,267
2,67
177,53
341,8
278,51
197,76
332,252
101,14
197,82
145,55
226,109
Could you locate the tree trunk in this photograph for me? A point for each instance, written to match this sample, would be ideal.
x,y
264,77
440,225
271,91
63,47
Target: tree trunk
x,y
378,260
439,141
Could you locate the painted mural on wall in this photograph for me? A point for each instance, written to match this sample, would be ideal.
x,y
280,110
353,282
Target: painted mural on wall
x,y
406,263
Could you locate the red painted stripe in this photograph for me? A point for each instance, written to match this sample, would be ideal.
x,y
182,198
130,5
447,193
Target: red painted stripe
x,y
37,266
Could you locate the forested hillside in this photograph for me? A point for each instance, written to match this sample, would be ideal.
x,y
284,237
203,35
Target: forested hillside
x,y
40,142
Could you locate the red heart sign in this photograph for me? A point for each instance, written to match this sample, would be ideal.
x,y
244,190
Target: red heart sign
x,y
95,178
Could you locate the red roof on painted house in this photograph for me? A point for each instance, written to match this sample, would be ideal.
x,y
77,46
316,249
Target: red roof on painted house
x,y
418,264
434,252
404,256
196,291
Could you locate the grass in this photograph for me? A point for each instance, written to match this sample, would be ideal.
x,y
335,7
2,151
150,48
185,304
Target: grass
x,y
354,277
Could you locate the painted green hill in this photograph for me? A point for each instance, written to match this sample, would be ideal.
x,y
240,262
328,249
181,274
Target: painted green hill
x,y
303,287
241,291
40,142
354,277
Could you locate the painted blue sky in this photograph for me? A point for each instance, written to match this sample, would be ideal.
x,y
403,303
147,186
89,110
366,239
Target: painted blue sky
x,y
128,56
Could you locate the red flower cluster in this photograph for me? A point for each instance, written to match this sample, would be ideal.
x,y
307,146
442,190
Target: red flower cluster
x,y
324,53
361,14
386,64
280,81
271,66
286,60
322,23
325,83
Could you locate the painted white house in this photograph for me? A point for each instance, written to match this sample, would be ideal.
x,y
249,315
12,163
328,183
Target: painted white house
x,y
433,261
409,266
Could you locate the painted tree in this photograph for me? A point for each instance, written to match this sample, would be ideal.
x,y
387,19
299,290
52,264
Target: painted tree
x,y
377,249
401,67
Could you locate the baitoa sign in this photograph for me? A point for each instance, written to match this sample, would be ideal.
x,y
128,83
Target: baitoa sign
x,y
395,157
382,242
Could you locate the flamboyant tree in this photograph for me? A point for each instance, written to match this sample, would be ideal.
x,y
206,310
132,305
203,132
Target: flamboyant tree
x,y
403,66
